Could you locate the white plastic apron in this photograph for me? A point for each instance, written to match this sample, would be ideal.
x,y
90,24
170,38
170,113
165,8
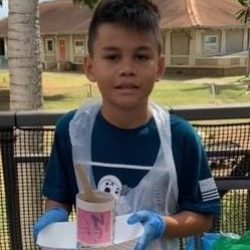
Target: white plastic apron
x,y
157,191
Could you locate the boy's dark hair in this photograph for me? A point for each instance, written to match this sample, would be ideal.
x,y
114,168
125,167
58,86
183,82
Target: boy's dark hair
x,y
141,15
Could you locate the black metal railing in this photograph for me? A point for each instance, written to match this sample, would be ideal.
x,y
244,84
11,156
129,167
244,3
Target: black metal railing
x,y
25,144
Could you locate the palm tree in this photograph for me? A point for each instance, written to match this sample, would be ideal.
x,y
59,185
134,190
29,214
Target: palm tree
x,y
25,80
24,55
244,16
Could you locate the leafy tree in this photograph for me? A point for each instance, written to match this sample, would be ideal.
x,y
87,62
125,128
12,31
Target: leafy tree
x,y
244,16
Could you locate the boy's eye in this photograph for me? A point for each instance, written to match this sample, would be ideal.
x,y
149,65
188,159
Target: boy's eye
x,y
111,57
142,57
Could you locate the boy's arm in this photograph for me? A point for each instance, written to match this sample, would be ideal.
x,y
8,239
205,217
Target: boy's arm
x,y
49,204
187,223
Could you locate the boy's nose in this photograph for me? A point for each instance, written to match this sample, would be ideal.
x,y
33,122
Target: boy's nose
x,y
127,68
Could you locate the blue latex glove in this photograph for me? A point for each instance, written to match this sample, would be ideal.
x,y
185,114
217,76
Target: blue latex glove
x,y
49,217
154,227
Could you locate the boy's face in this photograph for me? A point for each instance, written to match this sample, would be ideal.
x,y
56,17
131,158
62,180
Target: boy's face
x,y
125,64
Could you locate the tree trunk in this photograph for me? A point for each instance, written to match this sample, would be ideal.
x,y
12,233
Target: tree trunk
x,y
25,94
24,55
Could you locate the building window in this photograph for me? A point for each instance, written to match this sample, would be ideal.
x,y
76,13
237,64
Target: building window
x,y
211,44
79,47
49,46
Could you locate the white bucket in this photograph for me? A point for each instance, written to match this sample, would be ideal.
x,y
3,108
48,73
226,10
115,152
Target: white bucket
x,y
62,236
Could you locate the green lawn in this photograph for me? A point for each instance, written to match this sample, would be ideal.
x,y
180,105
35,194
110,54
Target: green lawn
x,y
64,91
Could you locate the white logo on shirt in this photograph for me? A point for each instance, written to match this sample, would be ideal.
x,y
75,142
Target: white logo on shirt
x,y
110,184
208,189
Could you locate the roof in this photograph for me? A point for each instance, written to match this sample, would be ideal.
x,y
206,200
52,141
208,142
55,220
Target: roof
x,y
62,17
198,13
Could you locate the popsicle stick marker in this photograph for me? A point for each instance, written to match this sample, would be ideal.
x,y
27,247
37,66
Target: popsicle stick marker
x,y
85,183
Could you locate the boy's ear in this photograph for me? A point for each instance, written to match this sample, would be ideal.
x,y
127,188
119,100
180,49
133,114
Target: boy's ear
x,y
88,68
161,67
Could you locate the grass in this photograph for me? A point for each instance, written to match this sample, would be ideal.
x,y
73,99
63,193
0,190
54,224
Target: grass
x,y
65,91
182,91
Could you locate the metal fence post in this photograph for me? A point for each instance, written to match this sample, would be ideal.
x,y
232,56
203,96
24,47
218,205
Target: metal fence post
x,y
7,140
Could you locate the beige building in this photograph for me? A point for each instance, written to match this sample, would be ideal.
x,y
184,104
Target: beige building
x,y
203,37
200,37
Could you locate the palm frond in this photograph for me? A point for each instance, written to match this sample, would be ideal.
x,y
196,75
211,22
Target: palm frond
x,y
240,14
90,3
244,17
243,14
247,16
243,3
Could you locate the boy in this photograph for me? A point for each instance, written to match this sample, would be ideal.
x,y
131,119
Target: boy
x,y
151,161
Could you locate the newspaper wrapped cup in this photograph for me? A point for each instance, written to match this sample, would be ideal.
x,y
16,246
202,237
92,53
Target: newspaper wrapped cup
x,y
95,220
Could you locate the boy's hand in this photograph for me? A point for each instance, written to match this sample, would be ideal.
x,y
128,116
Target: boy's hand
x,y
49,217
154,227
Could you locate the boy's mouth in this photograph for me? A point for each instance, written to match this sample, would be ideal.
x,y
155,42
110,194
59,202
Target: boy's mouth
x,y
126,86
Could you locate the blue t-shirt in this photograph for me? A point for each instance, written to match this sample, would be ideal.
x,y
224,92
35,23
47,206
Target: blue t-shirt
x,y
137,146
